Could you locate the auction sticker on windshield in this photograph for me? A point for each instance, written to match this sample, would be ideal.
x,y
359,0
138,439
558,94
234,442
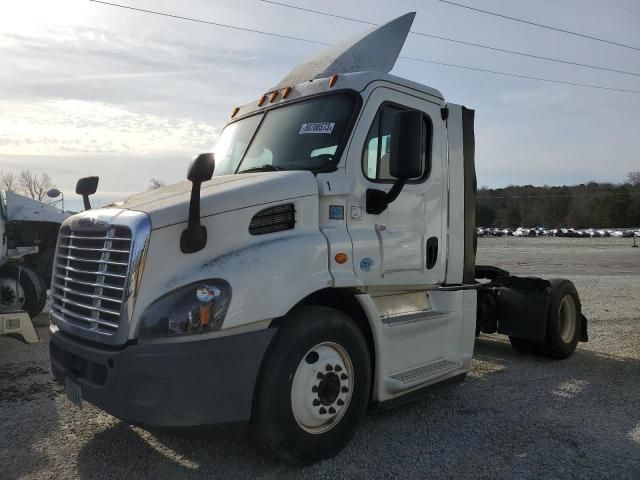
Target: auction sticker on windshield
x,y
317,127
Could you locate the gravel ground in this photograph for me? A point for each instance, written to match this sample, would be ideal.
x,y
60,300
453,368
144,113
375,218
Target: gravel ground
x,y
515,417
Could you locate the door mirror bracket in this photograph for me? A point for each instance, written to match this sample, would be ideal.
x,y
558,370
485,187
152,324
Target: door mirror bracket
x,y
405,161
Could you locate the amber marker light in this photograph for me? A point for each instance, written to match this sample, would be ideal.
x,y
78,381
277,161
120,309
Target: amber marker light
x,y
235,112
273,96
262,99
286,92
341,258
332,80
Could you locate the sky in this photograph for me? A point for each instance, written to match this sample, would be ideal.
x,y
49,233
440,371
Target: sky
x,y
89,89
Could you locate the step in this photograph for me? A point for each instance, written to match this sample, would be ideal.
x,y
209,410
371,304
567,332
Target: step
x,y
399,320
415,376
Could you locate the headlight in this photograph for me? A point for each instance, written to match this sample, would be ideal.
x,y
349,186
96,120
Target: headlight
x,y
195,308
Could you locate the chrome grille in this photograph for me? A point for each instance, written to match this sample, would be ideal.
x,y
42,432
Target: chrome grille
x,y
90,274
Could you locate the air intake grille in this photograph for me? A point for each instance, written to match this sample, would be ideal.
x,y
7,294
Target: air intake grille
x,y
90,276
273,219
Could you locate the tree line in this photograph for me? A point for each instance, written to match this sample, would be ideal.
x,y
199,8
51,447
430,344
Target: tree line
x,y
587,205
30,184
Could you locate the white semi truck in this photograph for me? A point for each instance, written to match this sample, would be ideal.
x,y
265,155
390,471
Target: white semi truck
x,y
327,265
28,232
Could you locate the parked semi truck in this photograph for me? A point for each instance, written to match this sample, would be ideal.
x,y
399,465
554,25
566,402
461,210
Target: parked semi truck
x,y
321,260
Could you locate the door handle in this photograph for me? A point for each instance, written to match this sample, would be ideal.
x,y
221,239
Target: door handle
x,y
432,252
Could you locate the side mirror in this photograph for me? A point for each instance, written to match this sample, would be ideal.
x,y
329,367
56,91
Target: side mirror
x,y
194,238
407,146
87,186
405,159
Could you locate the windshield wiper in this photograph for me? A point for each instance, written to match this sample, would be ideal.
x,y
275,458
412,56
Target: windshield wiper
x,y
263,168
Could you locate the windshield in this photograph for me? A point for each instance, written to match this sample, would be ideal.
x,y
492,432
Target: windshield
x,y
301,136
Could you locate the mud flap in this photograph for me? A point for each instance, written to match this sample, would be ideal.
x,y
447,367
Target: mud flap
x,y
517,305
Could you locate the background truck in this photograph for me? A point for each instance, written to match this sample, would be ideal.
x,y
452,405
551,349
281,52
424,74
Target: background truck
x,y
28,233
328,264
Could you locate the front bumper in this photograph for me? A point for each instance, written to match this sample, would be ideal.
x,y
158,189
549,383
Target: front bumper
x,y
170,385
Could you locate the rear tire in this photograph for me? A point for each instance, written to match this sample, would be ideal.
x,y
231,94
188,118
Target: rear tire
x,y
564,320
563,324
314,386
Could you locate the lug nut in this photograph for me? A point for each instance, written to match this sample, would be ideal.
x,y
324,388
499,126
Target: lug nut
x,y
340,402
343,376
329,367
338,368
323,411
320,375
316,402
332,410
314,389
344,389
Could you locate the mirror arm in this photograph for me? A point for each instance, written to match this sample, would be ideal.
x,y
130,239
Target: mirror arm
x,y
87,203
194,238
379,200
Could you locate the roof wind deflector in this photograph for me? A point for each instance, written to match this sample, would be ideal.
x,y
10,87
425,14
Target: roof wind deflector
x,y
375,50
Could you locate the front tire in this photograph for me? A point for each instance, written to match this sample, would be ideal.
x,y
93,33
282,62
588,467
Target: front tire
x,y
21,288
314,386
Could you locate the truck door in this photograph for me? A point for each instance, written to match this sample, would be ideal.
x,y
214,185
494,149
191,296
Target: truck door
x,y
404,244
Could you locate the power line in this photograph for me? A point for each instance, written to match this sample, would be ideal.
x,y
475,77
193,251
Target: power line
x,y
556,29
508,74
461,42
422,60
223,25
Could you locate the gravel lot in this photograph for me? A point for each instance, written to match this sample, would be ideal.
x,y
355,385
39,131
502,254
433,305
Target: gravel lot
x,y
515,416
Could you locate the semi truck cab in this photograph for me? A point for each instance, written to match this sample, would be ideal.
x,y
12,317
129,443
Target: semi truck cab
x,y
321,259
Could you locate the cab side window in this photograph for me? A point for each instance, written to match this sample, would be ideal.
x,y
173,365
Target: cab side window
x,y
377,147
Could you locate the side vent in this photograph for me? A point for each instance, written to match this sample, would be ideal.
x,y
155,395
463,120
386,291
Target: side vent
x,y
273,219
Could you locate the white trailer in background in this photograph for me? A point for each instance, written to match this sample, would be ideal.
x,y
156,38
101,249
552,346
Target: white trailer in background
x,y
328,264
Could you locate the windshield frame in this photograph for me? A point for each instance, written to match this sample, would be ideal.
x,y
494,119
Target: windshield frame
x,y
331,166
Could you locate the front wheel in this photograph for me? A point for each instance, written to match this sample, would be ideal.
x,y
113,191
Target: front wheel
x,y
314,386
21,288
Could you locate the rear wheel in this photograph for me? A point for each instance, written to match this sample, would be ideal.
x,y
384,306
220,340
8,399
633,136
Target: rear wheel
x,y
314,386
564,320
564,324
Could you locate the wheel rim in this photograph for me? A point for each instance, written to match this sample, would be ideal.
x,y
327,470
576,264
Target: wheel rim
x,y
11,293
567,319
322,387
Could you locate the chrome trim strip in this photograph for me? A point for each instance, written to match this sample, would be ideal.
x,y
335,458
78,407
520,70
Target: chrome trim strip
x,y
87,307
93,321
108,237
108,262
90,272
110,250
88,284
85,294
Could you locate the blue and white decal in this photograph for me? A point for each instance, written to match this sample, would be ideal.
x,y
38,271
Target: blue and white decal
x,y
336,212
366,264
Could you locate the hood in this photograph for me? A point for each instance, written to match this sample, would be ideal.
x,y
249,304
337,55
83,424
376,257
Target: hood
x,y
170,205
26,209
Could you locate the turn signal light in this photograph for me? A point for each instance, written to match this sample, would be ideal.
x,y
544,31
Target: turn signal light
x,y
341,258
332,80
